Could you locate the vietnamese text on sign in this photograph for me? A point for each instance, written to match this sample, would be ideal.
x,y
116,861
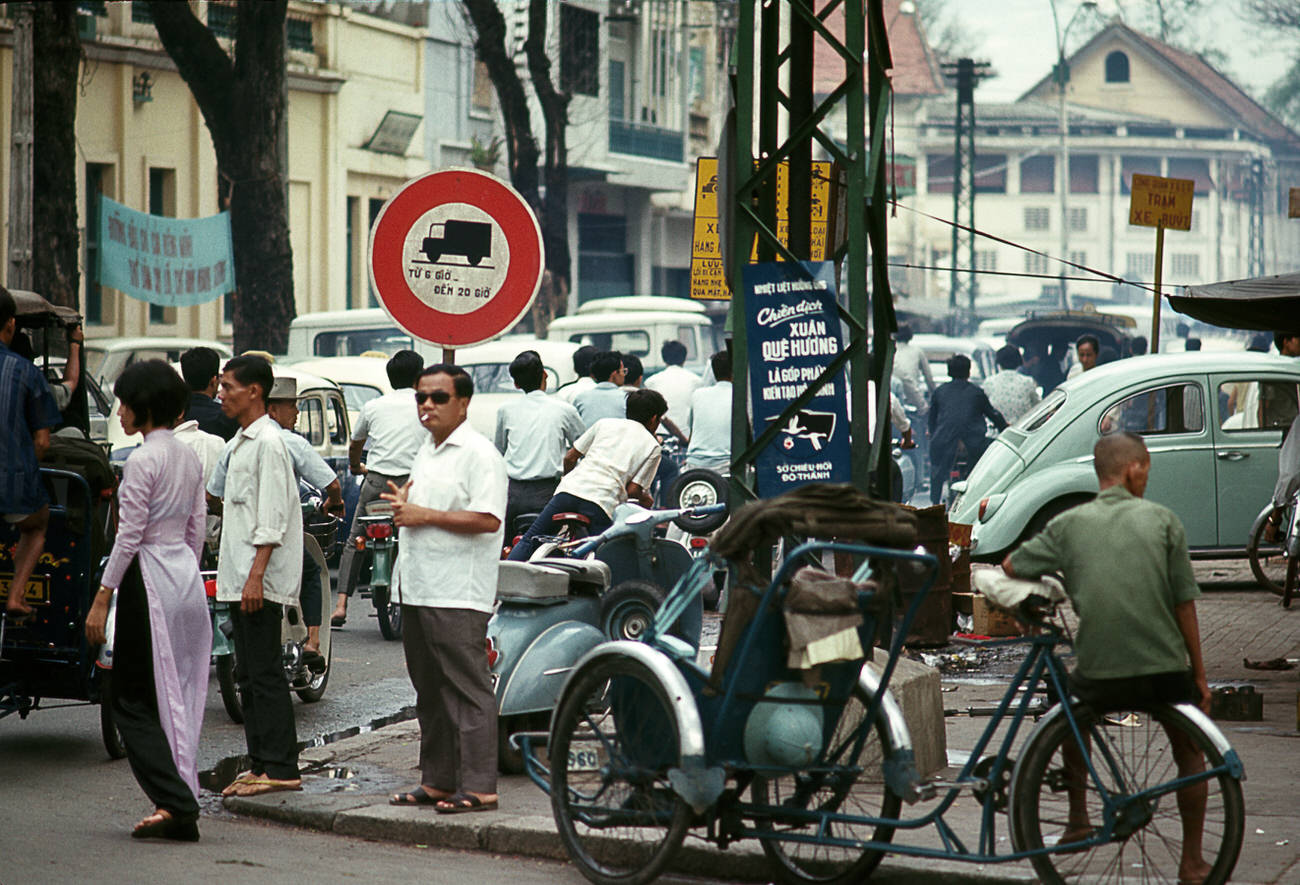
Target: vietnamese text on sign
x,y
1161,202
173,262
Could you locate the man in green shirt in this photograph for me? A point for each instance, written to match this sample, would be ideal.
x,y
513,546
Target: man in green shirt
x,y
1129,576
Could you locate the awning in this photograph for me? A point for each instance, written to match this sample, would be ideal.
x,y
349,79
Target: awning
x,y
1265,304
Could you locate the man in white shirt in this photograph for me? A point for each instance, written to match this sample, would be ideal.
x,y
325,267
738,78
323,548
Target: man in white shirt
x,y
675,382
449,514
533,432
710,420
582,358
311,468
259,569
607,399
619,457
912,369
391,425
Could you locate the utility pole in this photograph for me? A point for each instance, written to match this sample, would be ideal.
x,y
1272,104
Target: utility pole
x,y
20,152
1255,183
962,288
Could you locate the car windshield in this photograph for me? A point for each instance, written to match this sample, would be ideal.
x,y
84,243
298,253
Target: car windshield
x,y
1041,413
357,395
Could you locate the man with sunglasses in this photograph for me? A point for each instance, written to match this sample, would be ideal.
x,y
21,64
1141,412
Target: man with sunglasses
x,y
450,516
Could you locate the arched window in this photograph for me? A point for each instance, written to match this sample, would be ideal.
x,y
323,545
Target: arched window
x,y
1117,67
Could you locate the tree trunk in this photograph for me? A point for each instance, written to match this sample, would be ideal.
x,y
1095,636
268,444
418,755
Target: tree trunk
x,y
244,105
56,241
555,209
522,152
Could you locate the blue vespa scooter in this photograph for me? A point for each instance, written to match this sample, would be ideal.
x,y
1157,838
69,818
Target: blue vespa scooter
x,y
565,601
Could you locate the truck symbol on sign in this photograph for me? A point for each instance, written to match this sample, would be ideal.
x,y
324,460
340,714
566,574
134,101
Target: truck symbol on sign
x,y
472,239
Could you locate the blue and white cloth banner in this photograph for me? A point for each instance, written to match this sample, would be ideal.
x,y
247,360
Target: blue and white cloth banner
x,y
794,334
173,262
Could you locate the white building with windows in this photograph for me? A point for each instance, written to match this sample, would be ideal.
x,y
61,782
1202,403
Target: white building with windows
x,y
1134,105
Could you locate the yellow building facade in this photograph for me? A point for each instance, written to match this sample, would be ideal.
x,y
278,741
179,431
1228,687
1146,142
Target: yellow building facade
x,y
356,106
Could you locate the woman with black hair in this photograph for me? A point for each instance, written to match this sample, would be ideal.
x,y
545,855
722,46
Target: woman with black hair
x,y
163,633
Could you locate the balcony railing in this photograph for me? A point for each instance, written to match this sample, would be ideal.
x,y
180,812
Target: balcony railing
x,y
645,141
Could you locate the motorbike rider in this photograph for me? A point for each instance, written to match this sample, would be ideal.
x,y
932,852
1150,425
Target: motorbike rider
x,y
391,425
709,420
612,462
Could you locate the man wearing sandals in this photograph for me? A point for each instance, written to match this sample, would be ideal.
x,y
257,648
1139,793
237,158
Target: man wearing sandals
x,y
259,569
1130,579
450,516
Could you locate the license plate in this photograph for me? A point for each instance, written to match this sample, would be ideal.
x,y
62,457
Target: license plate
x,y
584,758
37,592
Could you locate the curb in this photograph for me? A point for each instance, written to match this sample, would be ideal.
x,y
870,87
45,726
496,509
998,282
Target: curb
x,y
534,836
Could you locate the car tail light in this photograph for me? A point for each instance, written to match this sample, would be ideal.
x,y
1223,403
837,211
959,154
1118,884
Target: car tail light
x,y
699,543
210,588
378,531
984,505
493,655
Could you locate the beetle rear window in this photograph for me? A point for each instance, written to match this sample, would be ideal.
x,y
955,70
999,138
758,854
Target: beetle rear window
x,y
1041,413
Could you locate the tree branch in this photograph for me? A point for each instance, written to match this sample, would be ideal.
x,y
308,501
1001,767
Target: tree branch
x,y
202,63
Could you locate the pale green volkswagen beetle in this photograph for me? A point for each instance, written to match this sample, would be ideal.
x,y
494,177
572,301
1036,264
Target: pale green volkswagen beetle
x,y
1212,421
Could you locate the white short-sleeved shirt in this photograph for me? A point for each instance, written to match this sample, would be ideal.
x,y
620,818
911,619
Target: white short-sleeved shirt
x,y
533,432
392,425
676,385
260,507
615,452
208,446
710,428
442,569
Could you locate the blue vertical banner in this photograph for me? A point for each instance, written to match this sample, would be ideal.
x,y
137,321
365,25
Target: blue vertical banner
x,y
174,262
794,334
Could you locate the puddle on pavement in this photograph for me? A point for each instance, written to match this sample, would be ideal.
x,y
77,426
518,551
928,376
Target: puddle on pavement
x,y
219,776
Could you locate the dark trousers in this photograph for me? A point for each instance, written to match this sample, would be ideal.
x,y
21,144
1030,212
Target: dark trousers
x,y
268,711
526,496
135,703
454,702
374,485
561,503
309,596
942,456
665,476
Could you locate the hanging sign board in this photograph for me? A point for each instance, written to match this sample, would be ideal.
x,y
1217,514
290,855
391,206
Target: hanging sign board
x,y
794,334
456,257
173,262
1161,202
708,274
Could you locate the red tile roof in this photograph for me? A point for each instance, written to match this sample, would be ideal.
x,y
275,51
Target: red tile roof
x,y
916,69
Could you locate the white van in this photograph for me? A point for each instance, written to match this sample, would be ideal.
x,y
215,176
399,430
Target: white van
x,y
640,324
350,333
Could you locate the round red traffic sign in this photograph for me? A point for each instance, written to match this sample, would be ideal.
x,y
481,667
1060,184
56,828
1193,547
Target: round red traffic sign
x,y
456,257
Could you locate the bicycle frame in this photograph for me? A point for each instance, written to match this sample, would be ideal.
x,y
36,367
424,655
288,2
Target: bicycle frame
x,y
1041,666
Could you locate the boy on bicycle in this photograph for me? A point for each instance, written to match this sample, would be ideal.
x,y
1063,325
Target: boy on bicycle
x,y
1129,577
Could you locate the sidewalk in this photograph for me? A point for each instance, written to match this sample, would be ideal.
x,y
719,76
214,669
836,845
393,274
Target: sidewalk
x,y
1236,623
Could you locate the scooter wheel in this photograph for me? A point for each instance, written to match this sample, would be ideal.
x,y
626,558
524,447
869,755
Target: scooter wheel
x,y
699,487
628,610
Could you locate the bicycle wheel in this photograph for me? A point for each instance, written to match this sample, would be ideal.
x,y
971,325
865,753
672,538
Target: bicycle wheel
x,y
1131,752
615,738
858,789
1267,559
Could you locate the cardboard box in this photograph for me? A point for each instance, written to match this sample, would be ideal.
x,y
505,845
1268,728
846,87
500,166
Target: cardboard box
x,y
989,621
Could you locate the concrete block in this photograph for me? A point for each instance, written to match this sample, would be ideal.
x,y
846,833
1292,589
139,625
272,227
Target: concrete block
x,y
917,689
531,835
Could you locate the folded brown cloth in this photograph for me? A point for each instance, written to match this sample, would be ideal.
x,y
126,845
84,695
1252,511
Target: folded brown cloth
x,y
819,605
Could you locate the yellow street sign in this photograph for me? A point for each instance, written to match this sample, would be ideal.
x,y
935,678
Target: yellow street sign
x,y
708,279
1161,202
